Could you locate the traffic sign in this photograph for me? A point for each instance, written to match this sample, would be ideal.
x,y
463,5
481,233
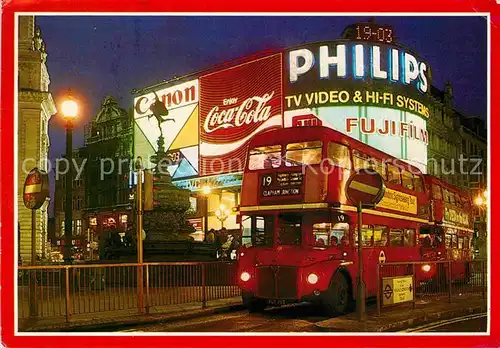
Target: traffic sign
x,y
397,290
36,189
366,187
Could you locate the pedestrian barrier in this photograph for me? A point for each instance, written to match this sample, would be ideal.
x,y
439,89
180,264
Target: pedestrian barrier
x,y
66,290
402,283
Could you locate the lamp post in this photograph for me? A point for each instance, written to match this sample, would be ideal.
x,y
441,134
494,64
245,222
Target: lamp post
x,y
222,214
69,111
206,190
481,202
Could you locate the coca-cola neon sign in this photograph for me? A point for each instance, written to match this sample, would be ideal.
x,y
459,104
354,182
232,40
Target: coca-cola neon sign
x,y
235,104
251,110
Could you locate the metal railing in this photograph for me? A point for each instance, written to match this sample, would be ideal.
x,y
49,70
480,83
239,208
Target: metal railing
x,y
438,280
63,291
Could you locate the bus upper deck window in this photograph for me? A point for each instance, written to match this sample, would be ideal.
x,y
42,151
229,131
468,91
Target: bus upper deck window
x,y
436,192
417,180
304,153
407,180
264,157
339,155
393,175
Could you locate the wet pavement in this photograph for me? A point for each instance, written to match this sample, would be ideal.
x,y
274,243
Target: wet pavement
x,y
470,323
293,318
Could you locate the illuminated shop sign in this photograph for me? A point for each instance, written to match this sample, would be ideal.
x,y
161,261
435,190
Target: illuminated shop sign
x,y
344,72
173,97
359,61
213,182
180,128
236,104
399,133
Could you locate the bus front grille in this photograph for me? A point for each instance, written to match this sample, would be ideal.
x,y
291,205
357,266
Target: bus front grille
x,y
277,282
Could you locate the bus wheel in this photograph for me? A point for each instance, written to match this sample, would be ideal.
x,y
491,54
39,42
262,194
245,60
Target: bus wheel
x,y
252,303
338,299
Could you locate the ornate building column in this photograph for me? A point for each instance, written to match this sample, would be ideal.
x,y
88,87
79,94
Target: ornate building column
x,y
35,107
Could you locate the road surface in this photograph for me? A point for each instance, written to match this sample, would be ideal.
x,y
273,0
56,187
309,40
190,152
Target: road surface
x,y
468,323
294,318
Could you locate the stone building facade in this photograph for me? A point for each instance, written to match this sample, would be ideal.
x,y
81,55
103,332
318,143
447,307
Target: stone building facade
x,y
109,146
35,107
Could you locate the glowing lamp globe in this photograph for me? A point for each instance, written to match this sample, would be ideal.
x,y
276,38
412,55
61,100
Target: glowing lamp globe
x,y
69,109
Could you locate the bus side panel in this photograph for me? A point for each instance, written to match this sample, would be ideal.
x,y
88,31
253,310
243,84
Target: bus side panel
x,y
250,190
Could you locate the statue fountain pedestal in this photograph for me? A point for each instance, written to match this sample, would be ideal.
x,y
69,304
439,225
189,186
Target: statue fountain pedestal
x,y
167,229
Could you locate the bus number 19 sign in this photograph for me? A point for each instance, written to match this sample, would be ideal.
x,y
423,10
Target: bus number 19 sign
x,y
36,189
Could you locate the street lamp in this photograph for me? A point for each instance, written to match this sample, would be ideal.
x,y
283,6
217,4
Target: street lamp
x,y
205,190
69,111
222,214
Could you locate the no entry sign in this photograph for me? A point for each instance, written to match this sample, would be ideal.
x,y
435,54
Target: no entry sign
x,y
365,187
36,189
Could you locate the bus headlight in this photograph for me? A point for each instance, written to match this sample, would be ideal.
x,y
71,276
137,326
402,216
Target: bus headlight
x,y
312,278
245,276
426,268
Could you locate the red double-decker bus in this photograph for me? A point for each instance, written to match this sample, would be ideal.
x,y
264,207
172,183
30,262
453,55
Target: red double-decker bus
x,y
450,233
299,230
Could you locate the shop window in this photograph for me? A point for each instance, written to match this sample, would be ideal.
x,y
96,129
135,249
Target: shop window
x,y
339,155
79,227
454,241
407,180
466,243
409,237
123,218
61,228
380,235
393,175
436,192
396,237
460,243
304,153
265,157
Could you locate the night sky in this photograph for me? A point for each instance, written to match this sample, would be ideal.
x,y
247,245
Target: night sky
x,y
100,55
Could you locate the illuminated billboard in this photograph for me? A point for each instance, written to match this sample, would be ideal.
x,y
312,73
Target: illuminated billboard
x,y
235,104
180,128
372,91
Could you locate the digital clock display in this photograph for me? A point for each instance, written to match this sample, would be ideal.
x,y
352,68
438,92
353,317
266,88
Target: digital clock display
x,y
371,32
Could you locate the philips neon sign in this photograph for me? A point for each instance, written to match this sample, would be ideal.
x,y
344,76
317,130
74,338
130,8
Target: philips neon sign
x,y
359,61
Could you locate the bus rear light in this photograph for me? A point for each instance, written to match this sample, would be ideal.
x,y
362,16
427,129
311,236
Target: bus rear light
x,y
245,276
312,278
344,254
439,253
426,268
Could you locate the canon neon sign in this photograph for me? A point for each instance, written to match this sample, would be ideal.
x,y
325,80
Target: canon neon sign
x,y
173,97
359,61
